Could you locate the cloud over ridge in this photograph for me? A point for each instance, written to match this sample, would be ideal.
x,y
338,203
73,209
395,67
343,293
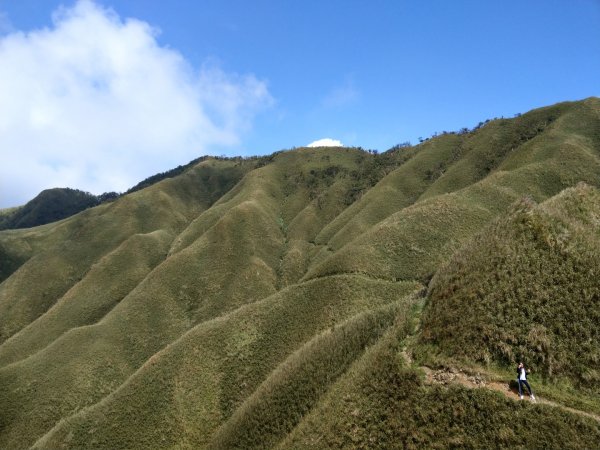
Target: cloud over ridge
x,y
94,102
326,142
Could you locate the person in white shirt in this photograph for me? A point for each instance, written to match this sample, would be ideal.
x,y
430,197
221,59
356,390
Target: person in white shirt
x,y
522,379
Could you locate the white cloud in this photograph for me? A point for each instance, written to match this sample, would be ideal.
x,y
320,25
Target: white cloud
x,y
326,142
95,103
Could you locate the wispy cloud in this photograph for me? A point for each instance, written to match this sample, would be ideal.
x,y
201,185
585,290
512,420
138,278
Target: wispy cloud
x,y
5,24
94,102
342,95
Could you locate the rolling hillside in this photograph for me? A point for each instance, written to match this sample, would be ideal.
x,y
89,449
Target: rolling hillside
x,y
530,285
299,300
49,206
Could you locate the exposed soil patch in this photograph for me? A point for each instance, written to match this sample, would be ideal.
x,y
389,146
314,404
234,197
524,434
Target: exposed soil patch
x,y
450,375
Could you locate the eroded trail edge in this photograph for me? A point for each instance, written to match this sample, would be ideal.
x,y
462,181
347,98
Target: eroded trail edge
x,y
473,379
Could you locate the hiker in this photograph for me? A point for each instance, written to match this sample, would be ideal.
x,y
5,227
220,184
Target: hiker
x,y
522,379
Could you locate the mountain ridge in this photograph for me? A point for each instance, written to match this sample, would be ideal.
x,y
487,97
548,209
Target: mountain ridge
x,y
188,295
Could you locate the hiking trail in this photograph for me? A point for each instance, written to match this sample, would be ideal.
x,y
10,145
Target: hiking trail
x,y
476,380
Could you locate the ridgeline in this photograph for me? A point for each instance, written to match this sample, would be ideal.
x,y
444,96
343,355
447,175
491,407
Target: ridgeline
x,y
300,300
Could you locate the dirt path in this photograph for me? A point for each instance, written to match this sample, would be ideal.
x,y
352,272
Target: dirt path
x,y
454,376
481,380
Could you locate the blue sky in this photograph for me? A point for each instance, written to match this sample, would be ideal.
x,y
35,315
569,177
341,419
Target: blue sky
x,y
279,74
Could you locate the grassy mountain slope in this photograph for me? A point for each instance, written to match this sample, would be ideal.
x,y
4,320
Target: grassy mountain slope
x,y
157,311
382,403
98,284
226,305
247,240
185,392
442,165
395,191
526,288
59,255
412,241
48,206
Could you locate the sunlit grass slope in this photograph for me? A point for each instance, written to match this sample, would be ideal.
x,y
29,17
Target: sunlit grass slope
x,y
184,393
294,388
235,258
59,255
107,283
227,305
526,288
86,363
178,292
399,189
382,403
412,241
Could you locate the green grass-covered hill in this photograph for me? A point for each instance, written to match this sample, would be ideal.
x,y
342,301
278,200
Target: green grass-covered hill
x,y
48,206
300,300
526,288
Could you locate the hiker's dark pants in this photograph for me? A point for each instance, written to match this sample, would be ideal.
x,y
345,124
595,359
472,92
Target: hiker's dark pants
x,y
521,382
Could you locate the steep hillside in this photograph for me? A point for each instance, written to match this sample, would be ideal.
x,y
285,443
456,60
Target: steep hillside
x,y
273,301
526,288
412,241
58,256
186,392
48,206
383,403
